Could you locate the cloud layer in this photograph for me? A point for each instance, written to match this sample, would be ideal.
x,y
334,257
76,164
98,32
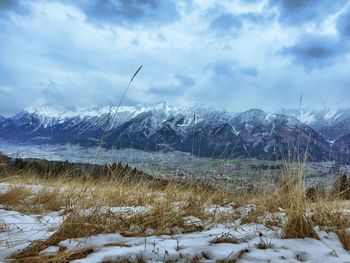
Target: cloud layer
x,y
234,54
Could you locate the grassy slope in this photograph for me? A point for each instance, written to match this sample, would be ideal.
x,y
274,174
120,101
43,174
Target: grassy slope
x,y
167,204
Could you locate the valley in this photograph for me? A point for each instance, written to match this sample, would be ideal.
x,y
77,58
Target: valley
x,y
256,173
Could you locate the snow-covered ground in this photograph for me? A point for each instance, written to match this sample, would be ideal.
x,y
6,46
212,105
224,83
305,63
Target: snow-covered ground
x,y
17,230
188,246
251,242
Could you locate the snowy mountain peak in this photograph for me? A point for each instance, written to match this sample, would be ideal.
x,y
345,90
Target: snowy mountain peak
x,y
161,110
255,115
57,112
313,116
160,126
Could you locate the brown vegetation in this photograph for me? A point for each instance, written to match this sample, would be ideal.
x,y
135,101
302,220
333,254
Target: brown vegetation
x,y
88,201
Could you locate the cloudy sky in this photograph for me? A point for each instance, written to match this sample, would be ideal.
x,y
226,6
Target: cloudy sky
x,y
235,54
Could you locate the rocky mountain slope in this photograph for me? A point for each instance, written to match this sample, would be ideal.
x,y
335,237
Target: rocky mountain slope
x,y
201,131
2,119
332,124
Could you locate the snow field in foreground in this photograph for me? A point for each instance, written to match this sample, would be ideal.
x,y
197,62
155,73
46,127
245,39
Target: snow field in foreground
x,y
251,242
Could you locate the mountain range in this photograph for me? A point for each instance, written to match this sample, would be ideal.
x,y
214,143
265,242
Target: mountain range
x,y
323,134
332,124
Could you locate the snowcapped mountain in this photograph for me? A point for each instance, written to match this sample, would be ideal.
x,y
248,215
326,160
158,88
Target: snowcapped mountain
x,y
278,134
199,130
50,115
2,119
332,124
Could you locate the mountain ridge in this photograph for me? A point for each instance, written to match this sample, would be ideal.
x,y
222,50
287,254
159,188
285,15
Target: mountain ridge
x,y
199,130
331,123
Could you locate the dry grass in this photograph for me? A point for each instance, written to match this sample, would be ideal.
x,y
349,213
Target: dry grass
x,y
50,200
167,204
14,196
344,237
63,256
330,214
299,227
227,238
264,243
292,194
24,200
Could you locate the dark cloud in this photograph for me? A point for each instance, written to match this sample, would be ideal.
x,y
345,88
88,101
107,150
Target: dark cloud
x,y
167,91
343,24
231,69
181,84
10,7
226,23
8,4
250,2
317,51
128,12
314,51
297,12
185,81
248,71
255,17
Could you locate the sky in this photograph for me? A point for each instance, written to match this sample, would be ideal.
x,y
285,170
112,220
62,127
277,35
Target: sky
x,y
236,54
